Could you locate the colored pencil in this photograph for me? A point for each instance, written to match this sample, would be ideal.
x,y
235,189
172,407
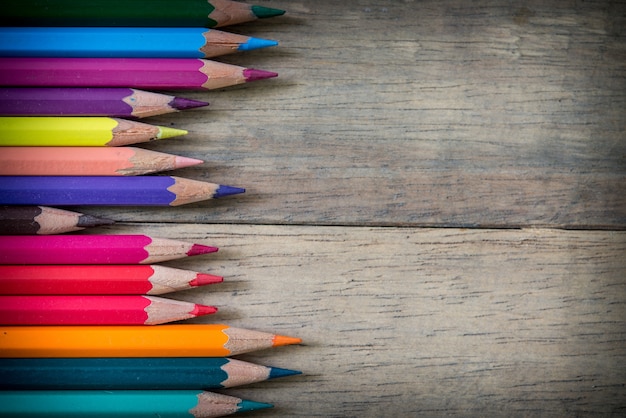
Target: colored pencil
x,y
141,73
96,310
87,161
124,42
202,13
94,249
77,101
169,340
16,131
41,220
99,280
126,404
108,190
174,373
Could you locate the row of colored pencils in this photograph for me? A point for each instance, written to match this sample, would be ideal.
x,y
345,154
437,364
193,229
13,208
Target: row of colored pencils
x,y
84,327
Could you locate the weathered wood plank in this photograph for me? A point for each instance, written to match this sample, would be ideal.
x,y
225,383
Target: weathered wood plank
x,y
422,113
423,322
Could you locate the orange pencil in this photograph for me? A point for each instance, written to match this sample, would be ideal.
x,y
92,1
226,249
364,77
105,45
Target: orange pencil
x,y
174,340
87,161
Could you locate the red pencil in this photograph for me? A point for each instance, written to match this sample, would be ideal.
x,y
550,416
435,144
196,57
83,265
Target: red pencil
x,y
96,310
99,280
94,249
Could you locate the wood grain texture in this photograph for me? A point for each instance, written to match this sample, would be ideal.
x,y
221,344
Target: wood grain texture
x,y
430,113
389,118
423,322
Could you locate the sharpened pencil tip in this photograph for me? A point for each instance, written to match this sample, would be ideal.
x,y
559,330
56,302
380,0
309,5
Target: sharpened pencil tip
x,y
181,103
198,249
245,405
203,279
227,191
85,221
252,74
165,132
200,310
182,162
280,340
256,43
264,12
278,372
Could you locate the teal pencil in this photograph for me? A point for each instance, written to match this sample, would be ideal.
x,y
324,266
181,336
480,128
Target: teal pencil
x,y
126,404
132,373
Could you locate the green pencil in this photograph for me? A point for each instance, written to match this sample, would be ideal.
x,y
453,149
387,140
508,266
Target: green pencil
x,y
146,13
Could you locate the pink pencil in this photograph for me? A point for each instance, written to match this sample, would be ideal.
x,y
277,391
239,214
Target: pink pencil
x,y
94,249
101,279
96,310
146,73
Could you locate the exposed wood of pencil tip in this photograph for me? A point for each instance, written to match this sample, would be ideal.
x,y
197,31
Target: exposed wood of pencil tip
x,y
230,12
145,103
161,310
221,75
129,132
241,373
167,280
245,340
216,405
190,191
221,43
162,249
145,161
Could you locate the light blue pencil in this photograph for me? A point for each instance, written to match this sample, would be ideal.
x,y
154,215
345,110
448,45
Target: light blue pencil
x,y
127,404
123,42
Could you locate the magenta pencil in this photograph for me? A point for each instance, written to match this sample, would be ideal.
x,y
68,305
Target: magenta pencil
x,y
141,73
94,249
96,310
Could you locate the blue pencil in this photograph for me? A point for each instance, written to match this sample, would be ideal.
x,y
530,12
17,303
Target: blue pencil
x,y
125,373
123,42
108,190
127,404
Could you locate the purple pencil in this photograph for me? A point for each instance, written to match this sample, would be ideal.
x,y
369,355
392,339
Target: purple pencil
x,y
141,73
113,102
108,191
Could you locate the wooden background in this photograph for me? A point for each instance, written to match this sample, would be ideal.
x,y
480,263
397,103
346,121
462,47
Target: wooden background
x,y
436,204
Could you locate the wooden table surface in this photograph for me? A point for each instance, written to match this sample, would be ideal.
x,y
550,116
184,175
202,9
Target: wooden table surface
x,y
436,205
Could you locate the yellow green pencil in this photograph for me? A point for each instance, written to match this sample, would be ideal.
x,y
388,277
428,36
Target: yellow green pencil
x,y
79,131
